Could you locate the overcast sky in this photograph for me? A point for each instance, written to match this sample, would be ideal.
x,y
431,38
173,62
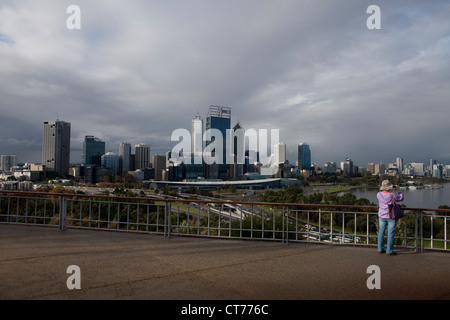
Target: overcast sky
x,y
138,69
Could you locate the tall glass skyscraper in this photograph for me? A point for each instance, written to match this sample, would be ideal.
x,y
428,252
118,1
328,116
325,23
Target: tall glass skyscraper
x,y
124,158
220,118
197,139
304,157
111,160
56,147
93,149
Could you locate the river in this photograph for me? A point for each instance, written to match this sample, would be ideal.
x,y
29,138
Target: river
x,y
418,198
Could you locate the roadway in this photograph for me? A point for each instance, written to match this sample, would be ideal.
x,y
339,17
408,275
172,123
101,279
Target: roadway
x,y
131,266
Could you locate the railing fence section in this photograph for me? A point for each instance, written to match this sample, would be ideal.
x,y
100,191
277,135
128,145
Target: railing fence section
x,y
420,229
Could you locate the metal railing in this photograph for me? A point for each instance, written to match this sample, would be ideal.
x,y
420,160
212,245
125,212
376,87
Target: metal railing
x,y
420,229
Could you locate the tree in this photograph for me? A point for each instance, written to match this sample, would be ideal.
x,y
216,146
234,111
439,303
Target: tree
x,y
129,178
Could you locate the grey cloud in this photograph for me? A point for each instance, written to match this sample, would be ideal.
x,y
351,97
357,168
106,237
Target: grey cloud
x,y
137,70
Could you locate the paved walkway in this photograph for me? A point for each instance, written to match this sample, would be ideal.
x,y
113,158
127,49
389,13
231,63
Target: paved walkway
x,y
34,261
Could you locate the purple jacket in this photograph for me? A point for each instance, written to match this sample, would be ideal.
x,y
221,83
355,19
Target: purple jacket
x,y
384,198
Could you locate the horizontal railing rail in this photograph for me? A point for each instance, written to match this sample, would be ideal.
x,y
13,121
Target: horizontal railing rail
x,y
420,229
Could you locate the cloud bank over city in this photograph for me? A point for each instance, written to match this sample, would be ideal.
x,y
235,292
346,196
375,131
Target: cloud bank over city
x,y
137,70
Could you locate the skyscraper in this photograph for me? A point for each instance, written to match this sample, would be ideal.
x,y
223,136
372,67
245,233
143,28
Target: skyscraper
x,y
347,166
280,153
7,162
237,151
399,164
56,146
124,158
219,118
111,160
197,139
93,149
142,156
304,157
159,164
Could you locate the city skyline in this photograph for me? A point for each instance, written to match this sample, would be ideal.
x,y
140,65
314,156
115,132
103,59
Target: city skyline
x,y
314,71
397,161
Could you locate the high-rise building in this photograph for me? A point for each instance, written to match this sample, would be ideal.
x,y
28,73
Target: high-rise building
x,y
56,146
304,157
142,156
438,170
430,167
236,158
329,167
197,139
124,158
7,162
447,171
280,153
419,168
93,149
379,169
219,118
409,170
111,160
399,164
159,164
371,167
347,166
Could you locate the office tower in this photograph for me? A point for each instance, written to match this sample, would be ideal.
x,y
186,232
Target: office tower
x,y
447,171
159,164
111,160
419,168
437,170
409,170
142,156
304,157
430,166
237,144
379,169
124,158
329,167
347,166
236,158
93,149
280,153
56,146
197,139
219,118
399,164
7,162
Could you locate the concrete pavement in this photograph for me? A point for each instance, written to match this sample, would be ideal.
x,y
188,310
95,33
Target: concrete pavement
x,y
113,265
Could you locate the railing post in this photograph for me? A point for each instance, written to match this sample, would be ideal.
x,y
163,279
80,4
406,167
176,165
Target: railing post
x,y
287,225
418,231
283,234
62,213
7,214
169,231
421,231
167,220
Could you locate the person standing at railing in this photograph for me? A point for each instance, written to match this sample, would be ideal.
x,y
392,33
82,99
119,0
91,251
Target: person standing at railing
x,y
384,199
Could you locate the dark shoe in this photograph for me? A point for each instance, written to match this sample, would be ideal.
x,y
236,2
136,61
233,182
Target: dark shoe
x,y
392,254
382,251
